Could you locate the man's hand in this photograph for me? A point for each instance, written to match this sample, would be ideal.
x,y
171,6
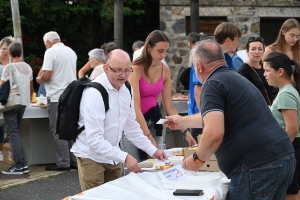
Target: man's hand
x,y
190,165
160,155
174,122
38,80
189,138
132,164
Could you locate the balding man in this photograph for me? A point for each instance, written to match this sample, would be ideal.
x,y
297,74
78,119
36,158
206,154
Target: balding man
x,y
250,146
97,147
59,70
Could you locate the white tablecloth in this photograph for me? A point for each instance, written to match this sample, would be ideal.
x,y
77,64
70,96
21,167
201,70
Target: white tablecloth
x,y
35,112
147,186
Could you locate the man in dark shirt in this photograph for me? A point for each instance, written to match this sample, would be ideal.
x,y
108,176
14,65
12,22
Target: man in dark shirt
x,y
251,147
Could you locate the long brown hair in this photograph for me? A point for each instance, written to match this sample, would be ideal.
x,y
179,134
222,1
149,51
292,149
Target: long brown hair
x,y
145,58
280,41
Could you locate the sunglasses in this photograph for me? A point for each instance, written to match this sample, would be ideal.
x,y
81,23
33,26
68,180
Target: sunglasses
x,y
253,39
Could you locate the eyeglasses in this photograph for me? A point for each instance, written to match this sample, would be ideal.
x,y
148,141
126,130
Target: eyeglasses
x,y
253,39
119,72
239,39
295,36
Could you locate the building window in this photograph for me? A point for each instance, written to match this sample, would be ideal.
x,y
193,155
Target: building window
x,y
207,25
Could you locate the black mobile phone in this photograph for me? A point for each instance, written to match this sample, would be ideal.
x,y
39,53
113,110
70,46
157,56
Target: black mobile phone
x,y
182,192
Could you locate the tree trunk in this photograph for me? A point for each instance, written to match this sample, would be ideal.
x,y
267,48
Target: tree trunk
x,y
16,22
118,23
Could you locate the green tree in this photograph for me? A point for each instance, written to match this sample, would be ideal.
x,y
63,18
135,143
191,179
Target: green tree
x,y
81,24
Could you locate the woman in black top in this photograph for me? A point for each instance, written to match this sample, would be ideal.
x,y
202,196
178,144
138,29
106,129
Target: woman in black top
x,y
252,69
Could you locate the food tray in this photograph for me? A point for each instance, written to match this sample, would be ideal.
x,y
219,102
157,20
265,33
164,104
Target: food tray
x,y
192,182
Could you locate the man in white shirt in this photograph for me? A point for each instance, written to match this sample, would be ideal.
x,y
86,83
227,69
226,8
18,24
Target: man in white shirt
x,y
97,148
59,70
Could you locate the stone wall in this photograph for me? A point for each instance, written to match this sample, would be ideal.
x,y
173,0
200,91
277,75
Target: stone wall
x,y
245,14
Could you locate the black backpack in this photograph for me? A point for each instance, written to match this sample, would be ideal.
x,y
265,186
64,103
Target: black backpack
x,y
68,107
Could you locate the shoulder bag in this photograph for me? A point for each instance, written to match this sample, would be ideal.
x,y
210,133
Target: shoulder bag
x,y
14,97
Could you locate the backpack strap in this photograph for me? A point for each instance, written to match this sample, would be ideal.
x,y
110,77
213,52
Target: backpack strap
x,y
127,84
103,92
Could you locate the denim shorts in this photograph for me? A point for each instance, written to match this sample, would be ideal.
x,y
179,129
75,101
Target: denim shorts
x,y
263,182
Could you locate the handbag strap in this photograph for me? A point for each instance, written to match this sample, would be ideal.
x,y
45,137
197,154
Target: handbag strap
x,y
11,76
262,83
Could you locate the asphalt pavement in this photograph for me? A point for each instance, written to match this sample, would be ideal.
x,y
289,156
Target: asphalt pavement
x,y
51,188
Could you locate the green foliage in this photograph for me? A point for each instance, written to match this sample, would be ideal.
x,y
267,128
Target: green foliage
x,y
81,24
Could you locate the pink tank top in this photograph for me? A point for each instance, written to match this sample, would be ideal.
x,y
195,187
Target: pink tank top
x,y
149,92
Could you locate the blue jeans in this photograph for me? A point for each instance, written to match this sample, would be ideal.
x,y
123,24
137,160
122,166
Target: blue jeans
x,y
263,182
42,90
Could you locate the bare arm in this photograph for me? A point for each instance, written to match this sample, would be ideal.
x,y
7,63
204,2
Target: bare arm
x,y
31,88
168,105
268,50
2,82
44,77
177,122
198,91
134,79
210,141
40,72
291,123
212,135
84,70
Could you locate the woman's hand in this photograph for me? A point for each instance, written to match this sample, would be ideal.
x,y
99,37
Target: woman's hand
x,y
189,138
154,143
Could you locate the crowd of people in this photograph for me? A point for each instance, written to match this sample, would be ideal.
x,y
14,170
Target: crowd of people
x,y
248,112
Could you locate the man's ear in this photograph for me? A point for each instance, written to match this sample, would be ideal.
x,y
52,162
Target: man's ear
x,y
200,67
105,68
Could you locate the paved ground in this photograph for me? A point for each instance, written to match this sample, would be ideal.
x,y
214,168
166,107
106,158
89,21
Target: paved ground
x,y
38,184
48,188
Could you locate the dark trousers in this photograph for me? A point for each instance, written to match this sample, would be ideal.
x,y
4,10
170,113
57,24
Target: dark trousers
x,y
13,119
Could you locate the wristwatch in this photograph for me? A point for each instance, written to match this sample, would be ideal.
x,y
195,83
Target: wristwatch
x,y
197,160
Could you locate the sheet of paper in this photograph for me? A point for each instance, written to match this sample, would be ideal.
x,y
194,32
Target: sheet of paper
x,y
161,121
175,173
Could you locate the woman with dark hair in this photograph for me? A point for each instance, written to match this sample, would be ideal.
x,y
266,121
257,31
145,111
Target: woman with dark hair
x,y
22,74
252,69
287,40
150,78
284,73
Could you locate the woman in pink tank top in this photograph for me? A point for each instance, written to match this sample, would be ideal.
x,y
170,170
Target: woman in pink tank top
x,y
151,77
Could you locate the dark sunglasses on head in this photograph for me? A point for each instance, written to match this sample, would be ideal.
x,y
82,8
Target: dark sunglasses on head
x,y
252,39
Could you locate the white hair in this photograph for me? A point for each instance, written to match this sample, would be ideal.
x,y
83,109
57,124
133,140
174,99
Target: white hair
x,y
97,53
51,36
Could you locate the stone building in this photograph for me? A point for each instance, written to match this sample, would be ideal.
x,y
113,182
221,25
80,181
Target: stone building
x,y
253,17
